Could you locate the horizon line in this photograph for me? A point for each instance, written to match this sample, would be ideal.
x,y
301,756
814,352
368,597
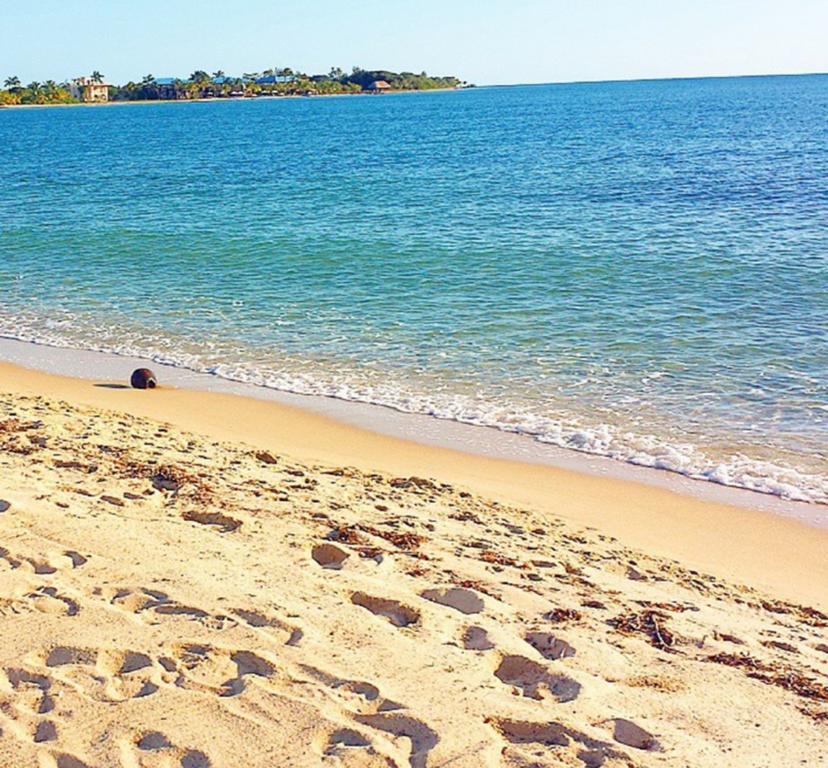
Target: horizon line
x,y
655,79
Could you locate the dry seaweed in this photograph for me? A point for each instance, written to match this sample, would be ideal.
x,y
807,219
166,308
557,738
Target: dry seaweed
x,y
650,623
782,677
562,615
399,540
490,556
408,483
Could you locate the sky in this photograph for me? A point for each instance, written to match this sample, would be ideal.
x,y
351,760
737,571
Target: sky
x,y
482,41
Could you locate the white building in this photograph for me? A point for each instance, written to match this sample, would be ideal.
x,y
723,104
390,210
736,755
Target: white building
x,y
89,90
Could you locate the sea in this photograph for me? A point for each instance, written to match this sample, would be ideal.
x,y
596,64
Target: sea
x,y
634,270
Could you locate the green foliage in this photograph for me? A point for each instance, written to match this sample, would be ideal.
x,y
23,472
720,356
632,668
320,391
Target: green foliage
x,y
34,93
402,81
203,85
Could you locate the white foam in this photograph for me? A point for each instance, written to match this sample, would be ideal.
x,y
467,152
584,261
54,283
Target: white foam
x,y
601,439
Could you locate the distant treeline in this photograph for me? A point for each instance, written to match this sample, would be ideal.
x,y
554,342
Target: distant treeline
x,y
35,93
201,84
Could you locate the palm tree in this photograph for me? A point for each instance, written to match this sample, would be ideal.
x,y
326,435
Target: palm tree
x,y
193,89
147,87
219,83
97,77
12,83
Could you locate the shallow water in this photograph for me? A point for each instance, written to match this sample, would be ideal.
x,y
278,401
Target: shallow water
x,y
637,270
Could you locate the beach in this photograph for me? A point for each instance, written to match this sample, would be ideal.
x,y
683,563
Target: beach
x,y
202,579
485,435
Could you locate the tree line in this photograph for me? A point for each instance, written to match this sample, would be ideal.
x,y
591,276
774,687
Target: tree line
x,y
276,81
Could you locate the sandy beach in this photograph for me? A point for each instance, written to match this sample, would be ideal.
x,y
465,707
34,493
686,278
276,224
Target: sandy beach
x,y
198,579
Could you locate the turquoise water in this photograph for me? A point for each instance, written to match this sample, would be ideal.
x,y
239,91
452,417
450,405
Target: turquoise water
x,y
638,270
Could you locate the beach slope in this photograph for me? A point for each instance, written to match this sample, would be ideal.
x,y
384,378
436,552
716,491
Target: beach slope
x,y
171,599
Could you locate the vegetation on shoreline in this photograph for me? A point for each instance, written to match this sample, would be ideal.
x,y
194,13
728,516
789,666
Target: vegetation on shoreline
x,y
34,93
277,81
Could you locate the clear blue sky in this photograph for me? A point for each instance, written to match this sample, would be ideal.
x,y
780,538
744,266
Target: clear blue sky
x,y
484,41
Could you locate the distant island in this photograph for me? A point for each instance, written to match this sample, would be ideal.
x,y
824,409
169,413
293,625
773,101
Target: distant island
x,y
217,85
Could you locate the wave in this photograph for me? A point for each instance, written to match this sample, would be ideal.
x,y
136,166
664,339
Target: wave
x,y
608,440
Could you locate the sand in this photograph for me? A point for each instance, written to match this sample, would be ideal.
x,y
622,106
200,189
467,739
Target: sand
x,y
193,579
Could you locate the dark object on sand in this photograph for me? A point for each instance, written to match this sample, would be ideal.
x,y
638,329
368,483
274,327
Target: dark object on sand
x,y
143,378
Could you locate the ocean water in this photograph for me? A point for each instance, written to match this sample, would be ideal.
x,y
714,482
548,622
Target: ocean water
x,y
637,270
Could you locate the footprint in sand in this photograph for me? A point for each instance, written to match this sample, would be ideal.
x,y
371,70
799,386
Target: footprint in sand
x,y
137,600
156,742
347,737
463,600
127,675
63,761
217,670
477,639
46,730
144,601
356,694
153,741
105,675
131,662
256,619
351,749
532,678
31,689
329,556
549,646
63,655
46,566
628,733
194,758
11,561
49,600
423,739
398,614
523,732
40,566
247,664
76,558
271,625
568,744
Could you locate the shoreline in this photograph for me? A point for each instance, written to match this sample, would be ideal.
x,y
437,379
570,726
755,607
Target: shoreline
x,y
426,429
124,102
762,549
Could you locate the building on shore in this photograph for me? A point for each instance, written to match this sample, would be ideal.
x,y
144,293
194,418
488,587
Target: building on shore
x,y
88,90
273,79
172,88
378,86
167,87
